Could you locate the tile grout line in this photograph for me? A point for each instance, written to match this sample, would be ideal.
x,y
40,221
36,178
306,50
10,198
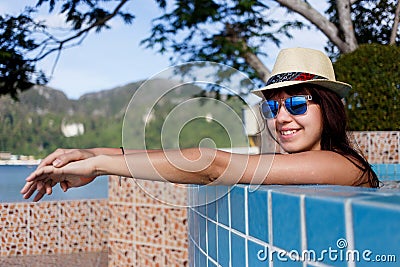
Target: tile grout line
x,y
348,215
230,226
216,226
270,229
303,226
246,221
206,219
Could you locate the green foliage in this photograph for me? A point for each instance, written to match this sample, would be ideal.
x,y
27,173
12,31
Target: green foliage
x,y
374,72
372,22
17,73
24,42
219,31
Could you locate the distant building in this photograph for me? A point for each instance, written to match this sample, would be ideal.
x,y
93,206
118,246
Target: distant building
x,y
5,155
72,129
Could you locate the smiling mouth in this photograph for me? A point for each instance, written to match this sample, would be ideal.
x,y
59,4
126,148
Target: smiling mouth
x,y
288,132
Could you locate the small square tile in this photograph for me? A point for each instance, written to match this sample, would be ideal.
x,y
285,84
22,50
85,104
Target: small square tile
x,y
14,241
238,220
202,232
176,257
43,239
238,251
325,226
376,228
176,228
13,214
222,204
258,214
149,256
202,200
286,221
223,246
43,213
212,239
211,202
258,255
150,224
74,238
123,224
121,254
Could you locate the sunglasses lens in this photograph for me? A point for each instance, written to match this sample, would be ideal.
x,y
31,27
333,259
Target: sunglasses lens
x,y
296,105
270,109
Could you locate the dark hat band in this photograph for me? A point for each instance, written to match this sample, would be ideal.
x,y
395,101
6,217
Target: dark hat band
x,y
294,76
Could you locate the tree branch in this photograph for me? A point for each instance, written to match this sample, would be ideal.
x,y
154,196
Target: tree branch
x,y
344,13
328,28
395,24
60,44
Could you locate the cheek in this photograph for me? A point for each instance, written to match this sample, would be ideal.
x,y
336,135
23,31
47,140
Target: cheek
x,y
315,119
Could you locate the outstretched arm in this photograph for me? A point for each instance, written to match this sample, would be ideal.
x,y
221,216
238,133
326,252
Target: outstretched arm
x,y
209,166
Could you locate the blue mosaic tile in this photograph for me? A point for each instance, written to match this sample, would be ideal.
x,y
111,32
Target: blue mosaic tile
x,y
376,228
211,264
286,221
196,257
191,253
237,209
257,254
195,227
202,260
238,251
202,199
203,232
212,240
258,214
324,218
211,202
222,205
223,246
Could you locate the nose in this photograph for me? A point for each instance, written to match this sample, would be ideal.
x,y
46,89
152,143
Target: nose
x,y
283,115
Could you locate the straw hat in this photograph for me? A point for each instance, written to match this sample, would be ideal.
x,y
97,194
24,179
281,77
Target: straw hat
x,y
304,65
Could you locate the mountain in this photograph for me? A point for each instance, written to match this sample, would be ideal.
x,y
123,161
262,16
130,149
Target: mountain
x,y
44,118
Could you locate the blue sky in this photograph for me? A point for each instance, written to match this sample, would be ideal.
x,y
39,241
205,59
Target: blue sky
x,y
114,57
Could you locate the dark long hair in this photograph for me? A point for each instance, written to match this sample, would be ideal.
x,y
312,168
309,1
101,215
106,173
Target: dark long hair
x,y
334,126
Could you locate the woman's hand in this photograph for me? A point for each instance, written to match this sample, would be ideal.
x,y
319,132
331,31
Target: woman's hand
x,y
61,156
74,174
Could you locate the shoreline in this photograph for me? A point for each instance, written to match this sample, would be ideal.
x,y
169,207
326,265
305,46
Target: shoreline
x,y
20,162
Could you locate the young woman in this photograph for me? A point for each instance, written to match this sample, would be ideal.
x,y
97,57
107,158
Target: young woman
x,y
303,111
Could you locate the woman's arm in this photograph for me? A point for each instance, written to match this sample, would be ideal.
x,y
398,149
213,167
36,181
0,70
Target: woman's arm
x,y
204,166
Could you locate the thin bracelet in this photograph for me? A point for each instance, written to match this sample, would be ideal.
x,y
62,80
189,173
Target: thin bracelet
x,y
123,153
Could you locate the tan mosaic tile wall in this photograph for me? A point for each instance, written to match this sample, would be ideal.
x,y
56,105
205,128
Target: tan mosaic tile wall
x,y
53,227
148,224
379,147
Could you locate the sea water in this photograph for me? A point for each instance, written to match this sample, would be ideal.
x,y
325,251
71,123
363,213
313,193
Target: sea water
x,y
12,179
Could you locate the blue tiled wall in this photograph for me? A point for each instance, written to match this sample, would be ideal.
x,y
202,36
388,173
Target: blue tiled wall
x,y
275,225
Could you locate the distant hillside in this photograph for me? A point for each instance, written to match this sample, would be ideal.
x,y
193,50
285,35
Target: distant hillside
x,y
39,122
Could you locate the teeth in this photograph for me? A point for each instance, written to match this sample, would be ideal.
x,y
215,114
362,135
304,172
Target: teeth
x,y
288,132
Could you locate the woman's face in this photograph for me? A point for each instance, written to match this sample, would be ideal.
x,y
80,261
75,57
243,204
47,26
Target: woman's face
x,y
297,133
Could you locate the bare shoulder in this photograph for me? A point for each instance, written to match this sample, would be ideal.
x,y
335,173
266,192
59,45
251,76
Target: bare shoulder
x,y
313,167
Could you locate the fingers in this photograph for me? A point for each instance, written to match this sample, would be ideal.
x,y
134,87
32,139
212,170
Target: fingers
x,y
70,156
39,194
50,158
64,186
28,190
61,157
42,173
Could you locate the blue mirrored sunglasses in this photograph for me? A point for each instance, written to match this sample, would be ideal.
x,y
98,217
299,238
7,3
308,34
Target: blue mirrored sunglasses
x,y
295,105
